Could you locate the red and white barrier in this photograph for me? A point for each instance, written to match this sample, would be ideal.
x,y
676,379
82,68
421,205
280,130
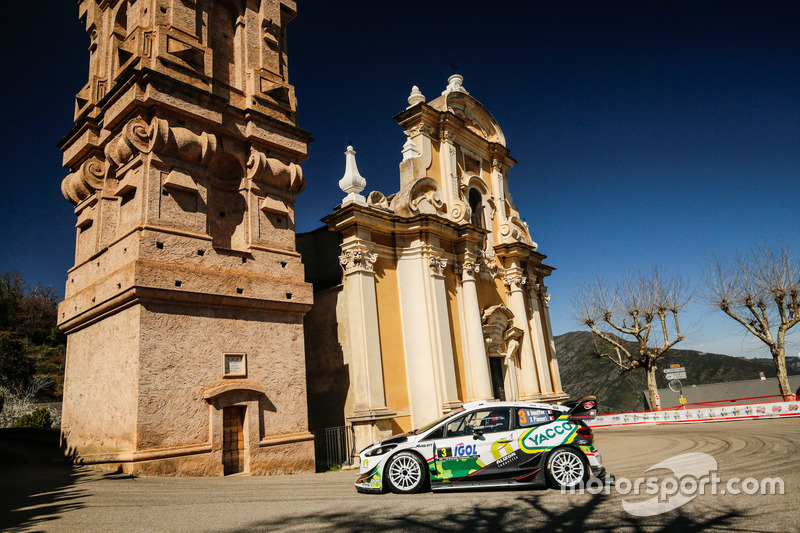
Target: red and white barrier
x,y
704,414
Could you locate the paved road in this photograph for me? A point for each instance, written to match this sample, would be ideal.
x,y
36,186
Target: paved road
x,y
58,498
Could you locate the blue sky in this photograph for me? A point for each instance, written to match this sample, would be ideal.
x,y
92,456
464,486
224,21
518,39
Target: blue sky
x,y
647,132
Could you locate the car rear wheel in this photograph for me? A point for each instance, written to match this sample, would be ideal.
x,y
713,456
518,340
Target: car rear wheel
x,y
566,468
406,473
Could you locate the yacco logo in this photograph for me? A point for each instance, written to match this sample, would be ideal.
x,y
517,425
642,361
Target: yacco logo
x,y
588,405
696,465
546,436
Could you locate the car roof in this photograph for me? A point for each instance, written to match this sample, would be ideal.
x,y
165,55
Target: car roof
x,y
529,405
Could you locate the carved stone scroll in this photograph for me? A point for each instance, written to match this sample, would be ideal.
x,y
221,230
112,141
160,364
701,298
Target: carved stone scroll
x,y
88,179
182,143
135,138
421,197
274,172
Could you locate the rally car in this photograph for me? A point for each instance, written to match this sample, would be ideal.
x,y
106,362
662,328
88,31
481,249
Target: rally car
x,y
488,444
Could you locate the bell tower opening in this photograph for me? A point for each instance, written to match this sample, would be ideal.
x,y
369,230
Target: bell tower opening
x,y
476,206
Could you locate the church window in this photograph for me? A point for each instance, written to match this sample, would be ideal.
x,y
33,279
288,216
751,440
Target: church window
x,y
476,205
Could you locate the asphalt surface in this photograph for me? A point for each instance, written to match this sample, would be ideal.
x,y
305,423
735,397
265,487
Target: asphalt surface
x,y
56,497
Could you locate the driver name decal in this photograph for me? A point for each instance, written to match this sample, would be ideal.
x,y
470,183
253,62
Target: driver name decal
x,y
547,436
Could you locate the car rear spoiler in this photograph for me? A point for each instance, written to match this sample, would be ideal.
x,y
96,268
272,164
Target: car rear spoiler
x,y
582,409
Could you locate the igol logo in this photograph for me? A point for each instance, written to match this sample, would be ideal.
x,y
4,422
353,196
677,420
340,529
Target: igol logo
x,y
470,450
548,436
465,451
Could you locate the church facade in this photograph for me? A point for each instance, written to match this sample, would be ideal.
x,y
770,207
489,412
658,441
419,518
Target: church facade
x,y
441,296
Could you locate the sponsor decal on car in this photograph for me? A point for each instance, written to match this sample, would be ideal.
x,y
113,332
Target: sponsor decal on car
x,y
506,460
547,436
501,447
461,451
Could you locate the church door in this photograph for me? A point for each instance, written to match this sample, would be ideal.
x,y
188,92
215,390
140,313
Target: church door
x,y
233,440
498,386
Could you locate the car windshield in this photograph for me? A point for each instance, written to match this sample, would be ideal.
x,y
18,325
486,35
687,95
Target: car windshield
x,y
436,422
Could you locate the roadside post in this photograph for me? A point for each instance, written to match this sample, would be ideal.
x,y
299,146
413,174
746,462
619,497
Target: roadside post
x,y
674,374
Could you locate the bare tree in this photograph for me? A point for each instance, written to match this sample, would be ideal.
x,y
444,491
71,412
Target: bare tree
x,y
628,311
759,291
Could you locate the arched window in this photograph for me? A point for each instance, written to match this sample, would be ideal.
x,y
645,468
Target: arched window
x,y
476,205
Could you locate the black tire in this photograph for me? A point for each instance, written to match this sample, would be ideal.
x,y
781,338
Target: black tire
x,y
566,468
406,473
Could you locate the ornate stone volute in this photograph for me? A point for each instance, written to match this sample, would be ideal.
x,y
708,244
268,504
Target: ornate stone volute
x,y
358,258
81,184
437,264
180,143
274,172
514,281
424,196
467,269
135,138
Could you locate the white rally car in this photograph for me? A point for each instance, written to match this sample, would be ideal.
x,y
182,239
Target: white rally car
x,y
488,444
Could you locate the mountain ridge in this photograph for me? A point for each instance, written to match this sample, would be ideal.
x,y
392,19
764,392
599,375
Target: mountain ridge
x,y
583,373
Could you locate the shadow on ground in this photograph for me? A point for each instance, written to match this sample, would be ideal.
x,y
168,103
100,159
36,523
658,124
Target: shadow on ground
x,y
525,513
37,483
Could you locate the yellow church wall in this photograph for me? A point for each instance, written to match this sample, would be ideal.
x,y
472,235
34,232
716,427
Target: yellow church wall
x,y
435,171
401,424
391,335
491,293
455,335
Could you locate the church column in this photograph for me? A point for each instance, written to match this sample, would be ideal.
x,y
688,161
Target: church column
x,y
500,198
426,339
440,334
475,353
514,282
366,370
447,155
539,338
541,300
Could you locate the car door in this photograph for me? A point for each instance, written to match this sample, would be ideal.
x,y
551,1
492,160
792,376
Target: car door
x,y
472,444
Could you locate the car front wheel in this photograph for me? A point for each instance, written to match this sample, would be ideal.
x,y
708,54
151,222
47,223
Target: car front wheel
x,y
566,468
405,473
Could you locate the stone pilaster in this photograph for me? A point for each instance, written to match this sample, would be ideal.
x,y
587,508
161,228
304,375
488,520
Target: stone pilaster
x,y
366,370
514,281
479,386
429,352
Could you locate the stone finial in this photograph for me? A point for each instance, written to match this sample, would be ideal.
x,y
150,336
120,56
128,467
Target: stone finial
x,y
352,182
415,97
410,150
454,85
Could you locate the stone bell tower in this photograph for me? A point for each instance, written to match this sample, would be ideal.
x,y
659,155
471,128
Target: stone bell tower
x,y
184,308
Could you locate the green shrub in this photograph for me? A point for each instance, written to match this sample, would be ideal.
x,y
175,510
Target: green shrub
x,y
39,418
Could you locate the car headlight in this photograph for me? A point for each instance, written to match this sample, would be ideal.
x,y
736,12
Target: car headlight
x,y
380,450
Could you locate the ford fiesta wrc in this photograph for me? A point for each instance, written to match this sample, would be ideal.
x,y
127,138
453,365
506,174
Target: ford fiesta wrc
x,y
488,444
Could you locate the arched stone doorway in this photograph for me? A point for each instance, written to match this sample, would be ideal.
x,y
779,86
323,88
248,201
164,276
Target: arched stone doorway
x,y
502,341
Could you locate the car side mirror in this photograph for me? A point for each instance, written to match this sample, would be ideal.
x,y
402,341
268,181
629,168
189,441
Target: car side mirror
x,y
477,433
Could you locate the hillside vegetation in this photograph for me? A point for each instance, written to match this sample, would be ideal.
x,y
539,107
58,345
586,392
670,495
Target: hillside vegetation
x,y
582,373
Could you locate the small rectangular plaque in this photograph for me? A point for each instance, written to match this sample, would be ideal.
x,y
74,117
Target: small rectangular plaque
x,y
235,365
